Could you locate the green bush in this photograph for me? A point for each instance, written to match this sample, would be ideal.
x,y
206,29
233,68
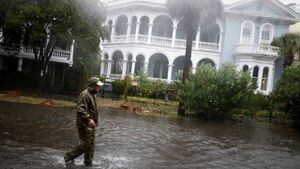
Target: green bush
x,y
118,86
154,89
122,87
214,93
286,95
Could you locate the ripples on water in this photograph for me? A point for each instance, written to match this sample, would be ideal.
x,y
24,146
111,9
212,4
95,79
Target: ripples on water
x,y
124,140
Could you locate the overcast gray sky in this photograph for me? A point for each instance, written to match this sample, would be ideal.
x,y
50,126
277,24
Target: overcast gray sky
x,y
283,1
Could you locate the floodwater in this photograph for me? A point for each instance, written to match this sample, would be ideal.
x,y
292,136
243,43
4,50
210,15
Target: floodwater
x,y
35,137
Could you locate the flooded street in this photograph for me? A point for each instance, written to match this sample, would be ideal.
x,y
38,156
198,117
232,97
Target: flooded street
x,y
35,136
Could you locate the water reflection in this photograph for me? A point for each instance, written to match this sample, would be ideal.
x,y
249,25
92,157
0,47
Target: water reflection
x,y
36,137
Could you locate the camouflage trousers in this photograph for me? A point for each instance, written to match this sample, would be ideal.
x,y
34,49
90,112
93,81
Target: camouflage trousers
x,y
86,146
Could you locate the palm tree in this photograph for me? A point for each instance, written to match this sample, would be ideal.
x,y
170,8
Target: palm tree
x,y
194,13
289,46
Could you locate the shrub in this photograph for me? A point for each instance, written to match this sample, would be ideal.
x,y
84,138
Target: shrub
x,y
214,94
122,87
118,86
286,95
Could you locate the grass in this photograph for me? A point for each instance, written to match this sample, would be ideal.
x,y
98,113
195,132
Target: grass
x,y
142,106
35,100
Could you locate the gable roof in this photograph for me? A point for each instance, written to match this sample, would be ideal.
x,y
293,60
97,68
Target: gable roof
x,y
277,3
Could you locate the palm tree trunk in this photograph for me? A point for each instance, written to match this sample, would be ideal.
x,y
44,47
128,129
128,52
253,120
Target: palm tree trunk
x,y
186,67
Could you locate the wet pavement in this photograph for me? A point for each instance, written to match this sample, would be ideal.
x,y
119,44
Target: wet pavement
x,y
35,137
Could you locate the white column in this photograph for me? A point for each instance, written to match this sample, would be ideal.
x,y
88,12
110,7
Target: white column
x,y
197,39
174,35
137,30
133,66
20,63
260,74
102,67
170,70
128,31
149,33
113,32
146,67
220,40
72,53
108,68
124,67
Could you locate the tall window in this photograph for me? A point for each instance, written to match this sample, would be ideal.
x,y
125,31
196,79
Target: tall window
x,y
255,74
267,32
245,68
264,81
247,33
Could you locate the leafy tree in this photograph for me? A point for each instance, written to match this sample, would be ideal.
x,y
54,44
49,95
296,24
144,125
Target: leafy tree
x,y
194,13
289,46
214,94
287,93
50,24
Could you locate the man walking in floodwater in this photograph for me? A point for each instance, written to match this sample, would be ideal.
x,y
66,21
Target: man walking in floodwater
x,y
86,121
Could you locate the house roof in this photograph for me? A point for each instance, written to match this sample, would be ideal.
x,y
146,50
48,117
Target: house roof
x,y
277,3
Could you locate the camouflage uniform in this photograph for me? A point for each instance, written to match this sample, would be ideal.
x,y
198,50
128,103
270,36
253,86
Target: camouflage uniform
x,y
86,110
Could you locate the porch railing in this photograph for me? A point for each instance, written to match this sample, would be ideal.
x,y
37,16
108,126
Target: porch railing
x,y
257,49
165,41
27,52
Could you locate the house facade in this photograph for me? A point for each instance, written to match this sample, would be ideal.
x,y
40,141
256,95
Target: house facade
x,y
20,59
145,38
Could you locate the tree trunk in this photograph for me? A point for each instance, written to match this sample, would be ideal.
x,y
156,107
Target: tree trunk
x,y
186,67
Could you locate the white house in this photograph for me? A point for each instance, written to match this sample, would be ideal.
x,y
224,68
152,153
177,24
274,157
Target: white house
x,y
145,38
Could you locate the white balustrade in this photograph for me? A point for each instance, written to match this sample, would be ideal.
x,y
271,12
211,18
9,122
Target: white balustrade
x,y
180,43
27,52
131,38
156,40
143,38
115,76
164,41
119,39
157,79
257,49
209,46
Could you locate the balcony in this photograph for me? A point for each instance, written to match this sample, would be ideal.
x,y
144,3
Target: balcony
x,y
164,42
26,52
256,49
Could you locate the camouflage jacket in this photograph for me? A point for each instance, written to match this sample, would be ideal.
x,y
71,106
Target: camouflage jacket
x,y
86,109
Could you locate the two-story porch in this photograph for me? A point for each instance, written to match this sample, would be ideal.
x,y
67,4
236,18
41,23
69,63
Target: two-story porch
x,y
147,38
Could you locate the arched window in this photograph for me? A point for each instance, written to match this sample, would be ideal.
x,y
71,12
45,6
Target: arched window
x,y
206,62
144,25
264,81
139,65
121,25
247,32
117,64
266,35
245,68
158,66
133,24
162,26
255,74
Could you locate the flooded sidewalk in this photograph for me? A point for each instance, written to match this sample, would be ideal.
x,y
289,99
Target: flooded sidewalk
x,y
36,136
